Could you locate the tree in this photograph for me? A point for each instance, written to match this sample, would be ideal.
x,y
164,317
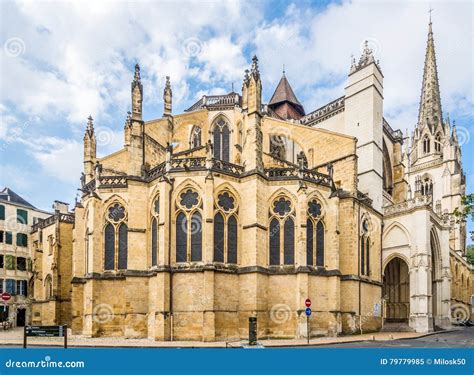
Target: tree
x,y
470,254
467,209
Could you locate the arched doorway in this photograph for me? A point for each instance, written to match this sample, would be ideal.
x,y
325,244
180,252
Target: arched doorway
x,y
396,291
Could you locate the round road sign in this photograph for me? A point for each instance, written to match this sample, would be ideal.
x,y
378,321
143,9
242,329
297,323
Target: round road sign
x,y
6,296
308,311
307,302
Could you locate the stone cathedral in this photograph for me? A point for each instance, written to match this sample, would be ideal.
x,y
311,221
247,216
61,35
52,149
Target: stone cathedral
x,y
237,208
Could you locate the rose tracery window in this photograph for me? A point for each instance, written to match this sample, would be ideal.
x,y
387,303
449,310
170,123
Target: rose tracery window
x,y
282,242
225,229
189,227
115,238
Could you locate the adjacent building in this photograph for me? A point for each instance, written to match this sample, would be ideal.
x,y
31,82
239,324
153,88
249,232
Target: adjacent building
x,y
51,250
17,216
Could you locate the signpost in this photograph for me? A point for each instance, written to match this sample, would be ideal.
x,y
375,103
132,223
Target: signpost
x,y
5,297
308,314
45,331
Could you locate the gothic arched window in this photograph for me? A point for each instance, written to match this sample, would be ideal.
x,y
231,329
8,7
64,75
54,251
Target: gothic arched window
x,y
195,140
189,227
115,238
314,235
48,287
282,242
427,186
278,146
426,144
225,229
365,248
155,215
438,143
221,134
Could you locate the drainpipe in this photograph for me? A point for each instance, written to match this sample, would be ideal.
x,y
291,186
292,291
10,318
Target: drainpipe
x,y
171,181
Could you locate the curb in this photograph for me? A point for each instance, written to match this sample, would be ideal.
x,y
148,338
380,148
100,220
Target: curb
x,y
54,345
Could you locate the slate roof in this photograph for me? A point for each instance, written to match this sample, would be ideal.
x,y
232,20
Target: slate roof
x,y
9,195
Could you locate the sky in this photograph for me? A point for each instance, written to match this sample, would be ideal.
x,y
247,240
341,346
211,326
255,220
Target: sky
x,y
64,61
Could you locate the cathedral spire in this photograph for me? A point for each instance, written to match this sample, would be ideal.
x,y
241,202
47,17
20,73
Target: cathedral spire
x,y
430,113
137,94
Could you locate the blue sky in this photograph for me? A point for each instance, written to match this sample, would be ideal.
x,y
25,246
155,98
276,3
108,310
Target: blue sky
x,y
61,62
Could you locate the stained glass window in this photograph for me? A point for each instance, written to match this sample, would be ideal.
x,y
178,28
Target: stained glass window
x,y
274,242
154,242
225,143
181,237
289,241
314,208
225,201
282,206
320,244
232,240
116,212
122,246
218,238
109,259
309,242
367,261
221,140
189,199
362,253
156,206
196,237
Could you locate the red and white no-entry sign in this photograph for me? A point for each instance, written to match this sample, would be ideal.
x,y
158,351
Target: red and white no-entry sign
x,y
307,302
6,296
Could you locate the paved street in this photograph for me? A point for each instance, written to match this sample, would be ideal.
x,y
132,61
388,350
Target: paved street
x,y
460,338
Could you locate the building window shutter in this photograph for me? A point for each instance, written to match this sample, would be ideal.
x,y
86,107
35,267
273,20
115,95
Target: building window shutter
x,y
218,238
8,238
22,216
2,212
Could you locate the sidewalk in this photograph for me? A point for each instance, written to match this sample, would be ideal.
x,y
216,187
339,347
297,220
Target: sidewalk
x,y
15,337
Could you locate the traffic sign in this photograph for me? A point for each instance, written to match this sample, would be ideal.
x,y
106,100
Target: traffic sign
x,y
307,302
6,296
308,311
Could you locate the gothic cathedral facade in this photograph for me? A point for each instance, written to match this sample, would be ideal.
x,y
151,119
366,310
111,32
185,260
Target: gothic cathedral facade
x,y
236,209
